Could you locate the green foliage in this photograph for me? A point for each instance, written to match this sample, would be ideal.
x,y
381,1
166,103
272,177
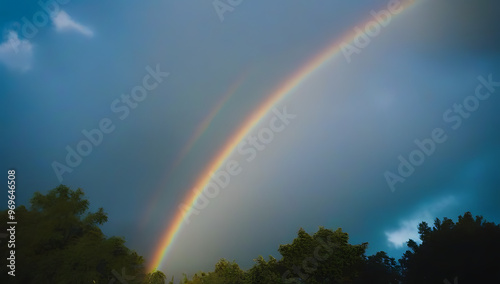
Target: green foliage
x,y
59,241
325,257
466,250
155,277
225,272
265,272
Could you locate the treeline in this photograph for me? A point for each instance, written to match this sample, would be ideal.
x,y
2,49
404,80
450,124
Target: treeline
x,y
464,252
59,241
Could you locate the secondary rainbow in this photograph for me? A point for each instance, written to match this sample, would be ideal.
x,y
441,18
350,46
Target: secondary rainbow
x,y
200,129
281,92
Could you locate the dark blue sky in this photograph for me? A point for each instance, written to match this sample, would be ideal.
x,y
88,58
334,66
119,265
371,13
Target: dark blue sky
x,y
74,71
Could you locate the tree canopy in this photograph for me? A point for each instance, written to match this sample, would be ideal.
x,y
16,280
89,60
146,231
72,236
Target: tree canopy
x,y
324,257
60,241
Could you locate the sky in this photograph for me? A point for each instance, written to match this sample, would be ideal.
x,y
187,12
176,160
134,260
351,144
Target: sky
x,y
398,126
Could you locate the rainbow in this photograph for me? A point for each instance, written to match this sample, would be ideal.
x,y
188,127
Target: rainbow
x,y
229,147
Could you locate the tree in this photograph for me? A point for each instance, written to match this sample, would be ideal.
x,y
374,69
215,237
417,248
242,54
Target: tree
x,y
228,272
265,272
325,257
467,250
380,268
59,241
155,277
225,272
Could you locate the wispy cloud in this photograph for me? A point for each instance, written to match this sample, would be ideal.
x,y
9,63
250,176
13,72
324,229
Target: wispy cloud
x,y
408,227
63,22
16,53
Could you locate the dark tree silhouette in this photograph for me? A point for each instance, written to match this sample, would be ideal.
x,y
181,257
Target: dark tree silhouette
x,y
380,269
467,250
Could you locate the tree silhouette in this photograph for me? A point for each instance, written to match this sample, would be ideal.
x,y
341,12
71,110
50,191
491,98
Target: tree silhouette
x,y
380,268
467,250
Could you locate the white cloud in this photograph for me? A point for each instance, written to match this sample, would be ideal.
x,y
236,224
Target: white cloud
x,y
407,230
408,227
16,53
62,21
